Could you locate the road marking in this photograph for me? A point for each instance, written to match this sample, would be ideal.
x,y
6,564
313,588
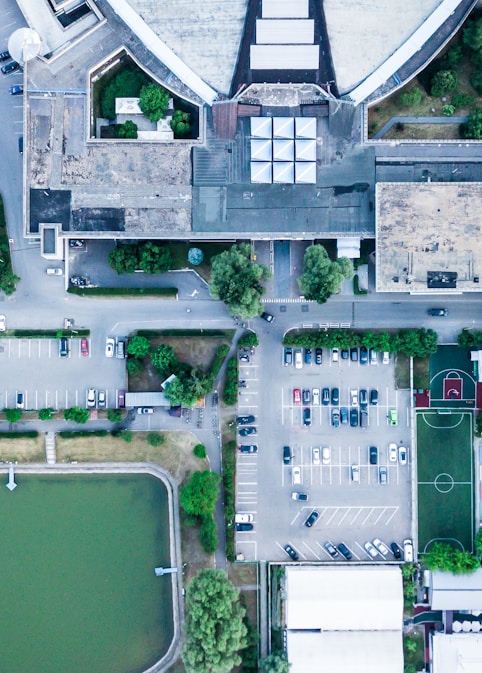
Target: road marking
x,y
57,399
343,517
368,516
333,515
380,516
311,550
390,518
36,399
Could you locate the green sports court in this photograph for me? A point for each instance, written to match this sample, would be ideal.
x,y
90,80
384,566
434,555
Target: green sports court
x,y
445,473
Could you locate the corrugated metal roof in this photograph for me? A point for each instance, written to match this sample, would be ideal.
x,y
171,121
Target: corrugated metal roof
x,y
156,399
285,9
260,150
283,172
305,127
261,127
305,150
283,127
284,57
285,31
283,150
305,173
261,172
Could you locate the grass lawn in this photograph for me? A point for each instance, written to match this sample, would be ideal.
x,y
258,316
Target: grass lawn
x,y
23,449
421,372
180,261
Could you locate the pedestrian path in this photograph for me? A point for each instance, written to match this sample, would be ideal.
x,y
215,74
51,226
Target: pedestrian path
x,y
417,120
50,452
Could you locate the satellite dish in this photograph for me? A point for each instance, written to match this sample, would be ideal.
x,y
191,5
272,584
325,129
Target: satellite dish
x,y
24,44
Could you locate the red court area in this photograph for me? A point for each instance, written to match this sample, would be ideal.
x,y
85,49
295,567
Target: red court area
x,y
453,389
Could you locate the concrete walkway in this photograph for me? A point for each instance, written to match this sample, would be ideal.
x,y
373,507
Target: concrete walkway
x,y
263,610
417,120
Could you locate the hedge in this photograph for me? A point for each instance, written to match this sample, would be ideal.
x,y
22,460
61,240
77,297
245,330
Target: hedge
x,y
32,434
229,482
45,333
154,333
230,392
356,286
124,291
72,434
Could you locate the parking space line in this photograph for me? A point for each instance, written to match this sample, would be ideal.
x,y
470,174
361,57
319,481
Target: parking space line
x,y
380,515
394,512
344,516
296,516
311,550
354,553
57,399
367,516
359,511
362,549
29,348
336,509
36,399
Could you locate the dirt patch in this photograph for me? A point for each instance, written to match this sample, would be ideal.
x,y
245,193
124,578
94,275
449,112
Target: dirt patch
x,y
424,132
23,449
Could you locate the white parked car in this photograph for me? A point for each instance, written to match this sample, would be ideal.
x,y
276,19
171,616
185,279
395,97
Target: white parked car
x,y
385,358
91,397
109,347
335,354
315,396
326,455
3,323
381,546
354,397
370,550
408,550
392,452
316,455
55,271
296,476
243,518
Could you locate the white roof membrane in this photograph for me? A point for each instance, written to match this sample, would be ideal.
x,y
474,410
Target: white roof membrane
x,y
285,31
305,127
283,150
260,150
261,172
260,127
283,172
285,9
284,57
305,173
283,127
305,150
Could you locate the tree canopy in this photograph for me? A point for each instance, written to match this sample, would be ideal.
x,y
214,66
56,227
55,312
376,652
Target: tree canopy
x,y
164,360
198,497
472,35
139,346
181,123
321,278
237,280
127,83
154,101
127,130
77,414
276,662
442,556
472,129
443,82
215,632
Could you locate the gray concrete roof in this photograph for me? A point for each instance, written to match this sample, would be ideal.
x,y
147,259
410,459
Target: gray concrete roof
x,y
422,227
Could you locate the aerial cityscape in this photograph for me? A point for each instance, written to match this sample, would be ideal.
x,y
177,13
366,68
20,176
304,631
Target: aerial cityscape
x,y
241,336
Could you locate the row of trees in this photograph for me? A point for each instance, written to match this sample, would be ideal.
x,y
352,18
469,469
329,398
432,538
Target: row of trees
x,y
148,256
75,414
443,556
411,342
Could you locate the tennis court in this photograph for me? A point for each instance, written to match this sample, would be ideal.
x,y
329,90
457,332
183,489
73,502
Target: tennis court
x,y
445,465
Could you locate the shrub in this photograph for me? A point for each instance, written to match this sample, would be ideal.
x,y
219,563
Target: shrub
x,y
472,35
248,340
127,130
229,477
27,434
230,393
155,438
478,425
448,110
412,98
167,292
46,414
73,434
77,414
356,286
134,366
208,536
139,347
195,256
443,82
154,101
180,124
126,435
453,58
460,100
472,129
199,451
115,415
476,81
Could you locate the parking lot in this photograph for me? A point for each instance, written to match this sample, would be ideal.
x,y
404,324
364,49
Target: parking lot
x,y
34,368
355,502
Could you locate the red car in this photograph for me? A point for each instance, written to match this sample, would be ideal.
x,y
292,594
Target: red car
x,y
121,399
297,396
84,346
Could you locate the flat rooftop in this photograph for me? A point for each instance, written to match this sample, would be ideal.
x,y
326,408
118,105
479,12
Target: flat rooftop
x,y
428,232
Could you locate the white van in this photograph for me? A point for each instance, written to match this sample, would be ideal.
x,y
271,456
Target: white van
x,y
243,518
298,358
54,271
408,550
355,473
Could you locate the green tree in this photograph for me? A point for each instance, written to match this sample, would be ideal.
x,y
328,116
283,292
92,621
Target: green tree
x,y
154,101
124,258
199,451
276,662
476,81
472,35
215,631
164,360
248,340
77,414
195,256
409,667
469,338
155,439
208,535
126,435
459,100
134,366
453,58
198,497
115,415
442,556
237,281
179,392
443,82
478,542
139,347
472,129
181,124
13,415
126,84
127,130
46,414
154,258
321,277
250,653
412,98
448,110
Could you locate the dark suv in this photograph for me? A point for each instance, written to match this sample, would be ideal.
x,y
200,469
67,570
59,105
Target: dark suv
x,y
373,455
318,356
343,549
286,455
63,347
291,552
10,67
431,311
312,518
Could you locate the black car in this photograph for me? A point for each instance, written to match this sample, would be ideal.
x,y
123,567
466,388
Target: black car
x,y
267,316
244,526
374,397
307,356
325,396
4,55
312,518
306,396
397,552
245,420
363,398
10,67
288,356
431,311
354,354
335,396
307,416
244,432
318,355
297,495
291,552
363,355
353,417
248,448
286,455
373,455
344,353
77,243
343,549
331,549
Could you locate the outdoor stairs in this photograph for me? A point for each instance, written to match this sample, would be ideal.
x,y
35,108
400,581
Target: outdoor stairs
x,y
50,452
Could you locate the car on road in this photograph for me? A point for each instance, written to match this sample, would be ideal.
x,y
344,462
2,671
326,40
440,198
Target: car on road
x,y
334,354
363,398
288,359
296,495
306,396
318,356
316,455
267,316
354,397
243,527
331,549
344,551
312,518
101,400
286,455
145,410
20,401
402,455
437,311
392,452
54,271
345,353
325,396
370,550
335,396
245,420
307,416
248,448
77,243
363,355
383,474
121,399
10,67
315,396
243,357
4,55
109,347
393,417
308,356
298,359
292,553
373,357
326,455
242,517
63,347
374,397
381,547
297,396
353,417
245,431
396,551
120,348
344,415
373,452
408,550
15,90
91,398
296,475
385,358
335,417
84,346
3,323
354,354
